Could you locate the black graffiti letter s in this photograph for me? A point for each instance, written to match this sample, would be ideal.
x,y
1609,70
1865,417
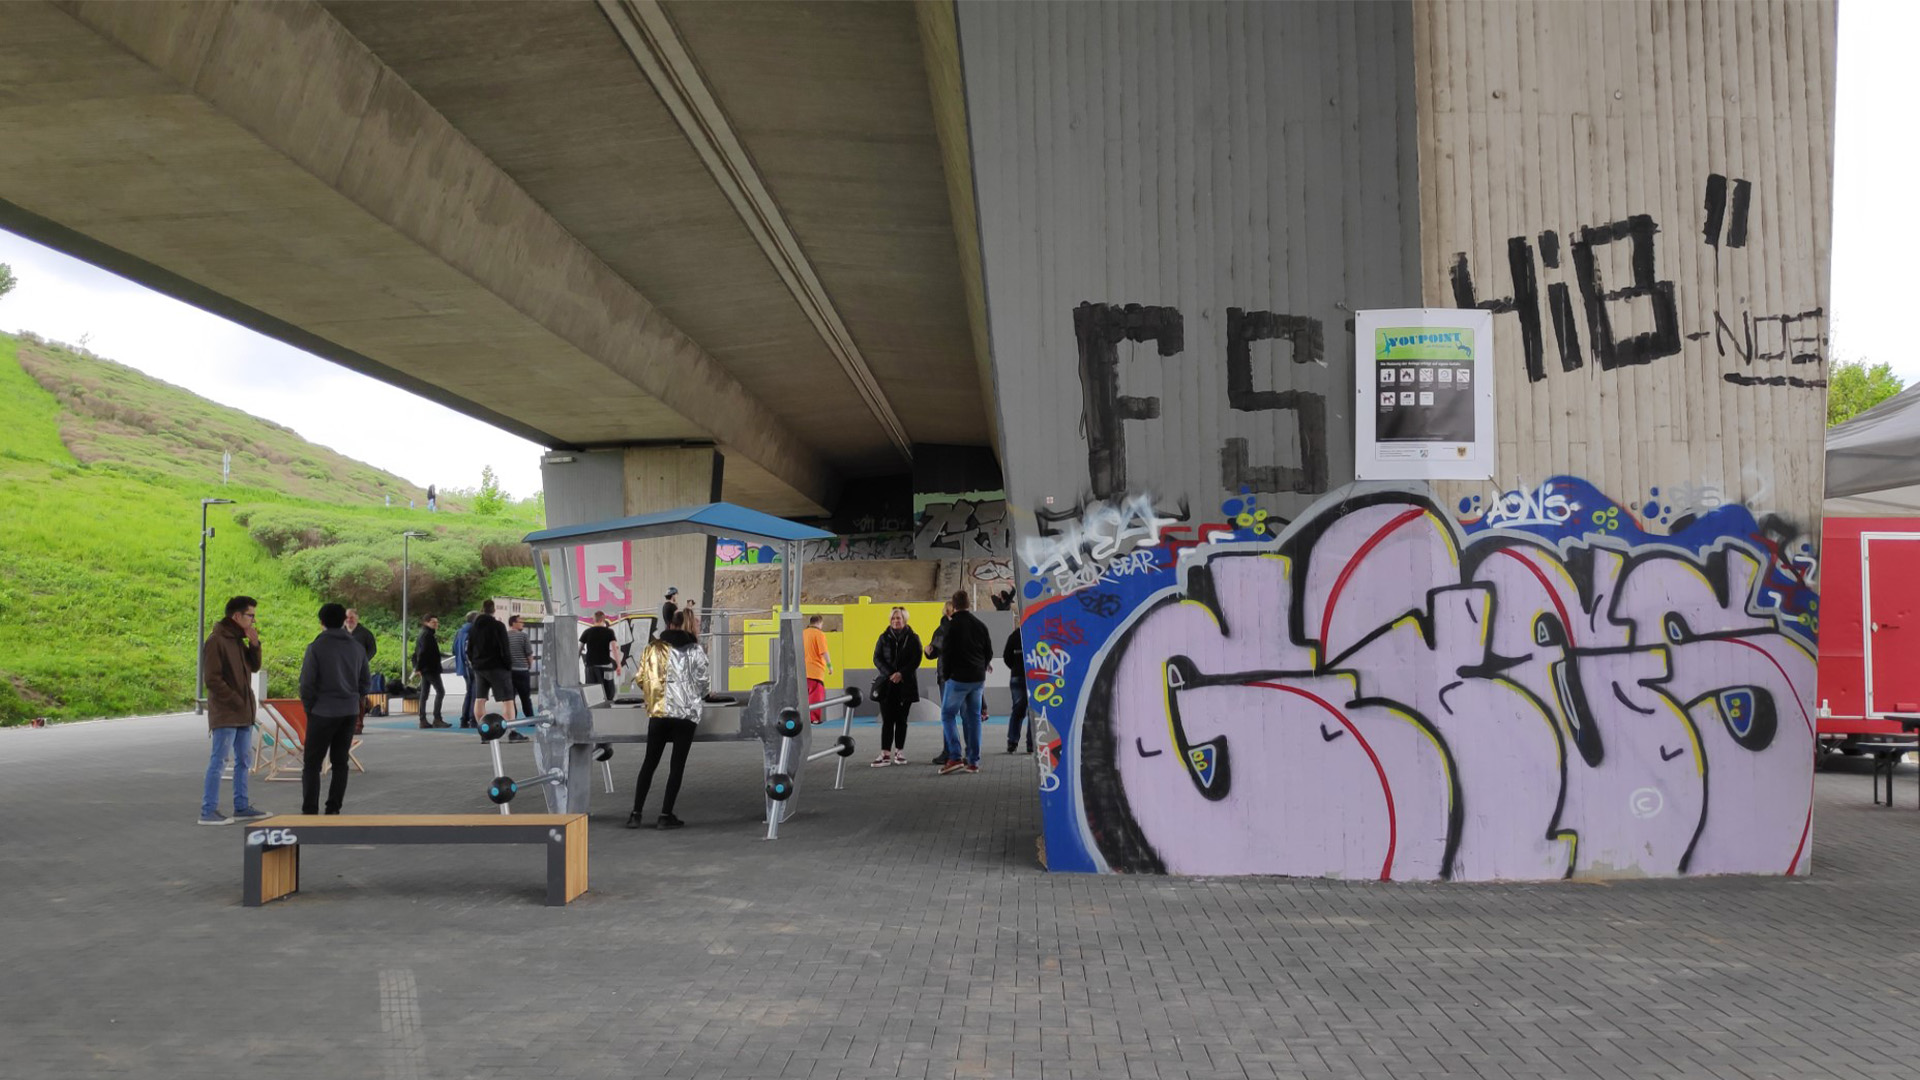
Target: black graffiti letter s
x,y
1307,341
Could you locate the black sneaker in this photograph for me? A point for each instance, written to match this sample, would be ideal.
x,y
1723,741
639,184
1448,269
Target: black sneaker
x,y
633,820
668,821
941,760
514,736
1015,750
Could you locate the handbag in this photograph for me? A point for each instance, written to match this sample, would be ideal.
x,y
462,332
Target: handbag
x,y
879,687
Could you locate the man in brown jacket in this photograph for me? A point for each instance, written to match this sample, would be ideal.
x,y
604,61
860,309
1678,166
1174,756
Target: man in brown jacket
x,y
229,658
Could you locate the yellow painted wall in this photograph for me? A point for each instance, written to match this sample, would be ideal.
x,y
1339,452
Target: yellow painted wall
x,y
850,646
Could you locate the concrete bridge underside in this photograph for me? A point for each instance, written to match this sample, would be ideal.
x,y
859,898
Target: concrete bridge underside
x,y
596,224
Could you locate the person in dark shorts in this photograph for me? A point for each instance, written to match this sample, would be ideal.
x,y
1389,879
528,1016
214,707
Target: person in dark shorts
x,y
489,658
596,647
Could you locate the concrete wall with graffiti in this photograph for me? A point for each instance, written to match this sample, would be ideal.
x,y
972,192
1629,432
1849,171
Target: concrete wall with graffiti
x,y
1242,661
1387,688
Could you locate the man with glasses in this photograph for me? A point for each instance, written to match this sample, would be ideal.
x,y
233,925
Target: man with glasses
x,y
230,657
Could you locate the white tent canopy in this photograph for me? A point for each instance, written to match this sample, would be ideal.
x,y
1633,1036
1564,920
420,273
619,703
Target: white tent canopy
x,y
1873,461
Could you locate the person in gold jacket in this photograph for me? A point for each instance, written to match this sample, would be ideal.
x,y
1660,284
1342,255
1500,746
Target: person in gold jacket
x,y
673,679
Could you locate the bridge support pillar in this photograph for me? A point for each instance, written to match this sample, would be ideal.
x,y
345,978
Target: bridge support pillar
x,y
598,485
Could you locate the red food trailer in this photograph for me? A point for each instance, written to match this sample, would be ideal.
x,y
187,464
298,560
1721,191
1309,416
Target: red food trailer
x,y
1870,576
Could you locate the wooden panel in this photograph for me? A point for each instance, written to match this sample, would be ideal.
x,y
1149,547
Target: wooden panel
x,y
279,872
576,856
1689,145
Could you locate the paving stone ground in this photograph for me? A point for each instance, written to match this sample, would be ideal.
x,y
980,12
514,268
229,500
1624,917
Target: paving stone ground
x,y
902,927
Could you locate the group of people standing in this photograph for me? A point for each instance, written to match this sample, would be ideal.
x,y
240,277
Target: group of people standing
x,y
962,650
335,675
674,677
495,658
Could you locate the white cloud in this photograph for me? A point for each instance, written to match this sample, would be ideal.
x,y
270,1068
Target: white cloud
x,y
62,298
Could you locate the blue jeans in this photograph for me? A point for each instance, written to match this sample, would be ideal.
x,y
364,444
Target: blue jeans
x,y
962,700
237,741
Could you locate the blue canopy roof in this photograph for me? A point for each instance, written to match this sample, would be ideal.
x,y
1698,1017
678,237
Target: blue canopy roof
x,y
713,519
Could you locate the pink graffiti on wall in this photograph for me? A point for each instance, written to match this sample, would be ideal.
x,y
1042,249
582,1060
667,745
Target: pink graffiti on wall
x,y
603,576
1373,698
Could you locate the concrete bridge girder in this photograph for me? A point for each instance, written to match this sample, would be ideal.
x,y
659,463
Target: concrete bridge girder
x,y
263,161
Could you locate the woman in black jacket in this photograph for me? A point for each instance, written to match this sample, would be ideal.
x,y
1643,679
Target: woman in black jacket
x,y
896,658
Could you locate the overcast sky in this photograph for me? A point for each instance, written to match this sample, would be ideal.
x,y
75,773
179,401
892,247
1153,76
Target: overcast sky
x,y
62,298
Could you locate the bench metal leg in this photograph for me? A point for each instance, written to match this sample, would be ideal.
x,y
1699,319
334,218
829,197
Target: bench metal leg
x,y
1883,764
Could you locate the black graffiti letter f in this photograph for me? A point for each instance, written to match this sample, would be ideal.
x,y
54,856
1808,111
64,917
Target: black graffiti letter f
x,y
1100,328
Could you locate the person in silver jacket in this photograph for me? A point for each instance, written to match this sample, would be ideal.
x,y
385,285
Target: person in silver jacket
x,y
673,678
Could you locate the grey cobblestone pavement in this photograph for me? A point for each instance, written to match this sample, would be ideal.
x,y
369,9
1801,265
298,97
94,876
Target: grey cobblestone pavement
x,y
900,928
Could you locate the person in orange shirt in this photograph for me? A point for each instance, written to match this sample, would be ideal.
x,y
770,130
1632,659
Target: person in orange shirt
x,y
819,662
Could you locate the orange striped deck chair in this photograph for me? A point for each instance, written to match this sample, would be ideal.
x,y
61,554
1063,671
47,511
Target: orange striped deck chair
x,y
283,746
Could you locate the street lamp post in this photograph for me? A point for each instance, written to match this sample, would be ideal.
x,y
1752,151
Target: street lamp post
x,y
199,660
406,579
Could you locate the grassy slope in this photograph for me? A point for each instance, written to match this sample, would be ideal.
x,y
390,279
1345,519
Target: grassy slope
x,y
99,563
112,413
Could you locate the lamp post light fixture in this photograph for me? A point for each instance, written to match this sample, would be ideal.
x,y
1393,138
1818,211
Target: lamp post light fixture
x,y
199,658
406,579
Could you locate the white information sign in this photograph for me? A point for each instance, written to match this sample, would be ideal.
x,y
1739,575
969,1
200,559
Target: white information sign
x,y
1423,390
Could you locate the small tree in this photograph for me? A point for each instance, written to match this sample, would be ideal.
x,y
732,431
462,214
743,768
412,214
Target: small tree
x,y
7,281
491,500
1853,388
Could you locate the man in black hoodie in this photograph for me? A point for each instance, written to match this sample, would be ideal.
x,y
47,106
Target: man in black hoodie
x,y
1015,659
490,658
333,681
967,649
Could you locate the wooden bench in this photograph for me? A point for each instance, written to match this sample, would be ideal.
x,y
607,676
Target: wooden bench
x,y
272,846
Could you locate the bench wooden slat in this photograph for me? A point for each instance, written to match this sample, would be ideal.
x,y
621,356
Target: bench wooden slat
x,y
478,821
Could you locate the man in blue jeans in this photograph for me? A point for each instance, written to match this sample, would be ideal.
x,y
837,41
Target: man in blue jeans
x,y
967,649
228,661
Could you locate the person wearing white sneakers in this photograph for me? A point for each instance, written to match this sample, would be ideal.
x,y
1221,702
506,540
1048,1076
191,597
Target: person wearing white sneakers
x,y
896,686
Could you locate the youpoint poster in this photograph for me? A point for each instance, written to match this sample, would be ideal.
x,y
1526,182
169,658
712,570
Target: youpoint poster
x,y
1424,394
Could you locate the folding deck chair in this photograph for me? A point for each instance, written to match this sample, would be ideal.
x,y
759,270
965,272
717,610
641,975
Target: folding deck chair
x,y
283,743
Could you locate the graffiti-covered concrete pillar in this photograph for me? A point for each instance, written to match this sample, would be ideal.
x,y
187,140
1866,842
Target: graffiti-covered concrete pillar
x,y
603,485
1599,661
